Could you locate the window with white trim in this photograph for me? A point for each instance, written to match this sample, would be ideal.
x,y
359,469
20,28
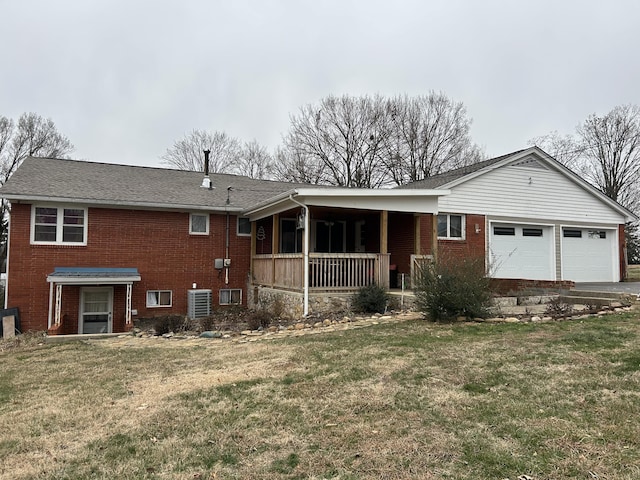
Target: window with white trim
x,y
159,298
230,296
58,225
451,226
199,224
244,226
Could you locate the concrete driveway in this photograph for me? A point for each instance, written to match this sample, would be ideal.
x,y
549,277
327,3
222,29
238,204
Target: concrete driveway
x,y
632,288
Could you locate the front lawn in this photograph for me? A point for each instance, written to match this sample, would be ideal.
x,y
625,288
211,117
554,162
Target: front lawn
x,y
405,400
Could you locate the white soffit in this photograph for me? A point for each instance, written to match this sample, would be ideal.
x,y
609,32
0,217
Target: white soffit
x,y
413,201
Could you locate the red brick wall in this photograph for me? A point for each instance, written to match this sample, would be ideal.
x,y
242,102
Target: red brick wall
x,y
426,235
157,243
473,244
401,240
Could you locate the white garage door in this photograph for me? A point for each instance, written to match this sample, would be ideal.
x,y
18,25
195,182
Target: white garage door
x,y
522,251
588,255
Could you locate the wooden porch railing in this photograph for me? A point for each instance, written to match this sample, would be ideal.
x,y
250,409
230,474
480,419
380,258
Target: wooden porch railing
x,y
327,271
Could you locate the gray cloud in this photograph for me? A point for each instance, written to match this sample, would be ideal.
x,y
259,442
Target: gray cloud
x,y
123,79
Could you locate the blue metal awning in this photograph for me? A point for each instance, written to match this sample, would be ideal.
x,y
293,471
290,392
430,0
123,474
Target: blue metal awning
x,y
93,275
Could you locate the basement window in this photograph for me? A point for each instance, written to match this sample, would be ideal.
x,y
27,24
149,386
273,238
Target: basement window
x,y
230,296
451,226
59,225
159,298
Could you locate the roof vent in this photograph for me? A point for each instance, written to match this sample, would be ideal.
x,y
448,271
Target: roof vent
x,y
206,181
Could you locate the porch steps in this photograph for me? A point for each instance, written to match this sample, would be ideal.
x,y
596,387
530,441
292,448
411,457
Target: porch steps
x,y
599,299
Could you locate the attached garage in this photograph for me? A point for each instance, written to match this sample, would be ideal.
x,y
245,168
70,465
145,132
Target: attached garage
x,y
522,251
589,254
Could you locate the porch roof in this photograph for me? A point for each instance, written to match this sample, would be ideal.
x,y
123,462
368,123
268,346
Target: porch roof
x,y
93,275
410,201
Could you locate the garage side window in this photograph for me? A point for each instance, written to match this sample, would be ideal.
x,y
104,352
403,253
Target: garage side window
x,y
451,226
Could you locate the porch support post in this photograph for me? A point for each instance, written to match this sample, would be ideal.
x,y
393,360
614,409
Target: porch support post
x,y
58,304
50,316
416,235
275,245
434,236
127,320
254,229
384,227
305,259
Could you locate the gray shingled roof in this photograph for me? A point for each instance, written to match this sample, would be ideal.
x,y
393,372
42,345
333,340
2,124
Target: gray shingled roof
x,y
102,183
447,177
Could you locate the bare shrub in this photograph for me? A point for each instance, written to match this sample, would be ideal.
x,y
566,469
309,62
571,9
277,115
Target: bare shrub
x,y
453,288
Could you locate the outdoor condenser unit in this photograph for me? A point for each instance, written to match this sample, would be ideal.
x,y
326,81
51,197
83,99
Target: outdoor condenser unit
x,y
199,303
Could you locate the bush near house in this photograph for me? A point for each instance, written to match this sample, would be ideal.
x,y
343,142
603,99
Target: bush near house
x,y
453,288
370,299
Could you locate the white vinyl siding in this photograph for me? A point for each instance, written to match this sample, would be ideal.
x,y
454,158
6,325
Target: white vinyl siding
x,y
536,193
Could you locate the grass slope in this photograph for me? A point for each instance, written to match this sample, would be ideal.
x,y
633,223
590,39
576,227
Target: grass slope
x,y
408,400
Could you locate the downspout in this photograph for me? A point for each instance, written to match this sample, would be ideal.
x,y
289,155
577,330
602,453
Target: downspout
x,y
305,251
226,246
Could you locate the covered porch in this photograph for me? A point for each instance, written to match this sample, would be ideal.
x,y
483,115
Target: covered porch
x,y
90,300
336,240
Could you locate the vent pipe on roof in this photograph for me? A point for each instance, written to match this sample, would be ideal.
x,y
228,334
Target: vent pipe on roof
x,y
206,181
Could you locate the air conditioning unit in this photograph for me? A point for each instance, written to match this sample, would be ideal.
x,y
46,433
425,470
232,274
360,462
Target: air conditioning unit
x,y
198,303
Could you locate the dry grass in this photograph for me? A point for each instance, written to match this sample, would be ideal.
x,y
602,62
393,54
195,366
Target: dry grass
x,y
408,400
633,273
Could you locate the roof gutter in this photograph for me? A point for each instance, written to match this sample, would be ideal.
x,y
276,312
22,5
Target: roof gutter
x,y
121,204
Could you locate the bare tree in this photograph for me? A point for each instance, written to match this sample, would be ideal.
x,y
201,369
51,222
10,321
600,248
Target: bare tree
x,y
612,150
254,161
564,148
429,135
342,139
187,153
605,151
373,141
32,135
289,165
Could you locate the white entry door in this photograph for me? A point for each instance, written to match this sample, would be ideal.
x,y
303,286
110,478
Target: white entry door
x,y
96,309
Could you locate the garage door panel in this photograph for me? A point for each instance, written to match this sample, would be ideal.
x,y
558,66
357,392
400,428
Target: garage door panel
x,y
588,254
522,251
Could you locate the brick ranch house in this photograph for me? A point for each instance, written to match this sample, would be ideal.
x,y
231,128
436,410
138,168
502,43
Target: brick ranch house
x,y
92,246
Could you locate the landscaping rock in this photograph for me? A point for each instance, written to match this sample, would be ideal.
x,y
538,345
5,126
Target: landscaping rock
x,y
210,334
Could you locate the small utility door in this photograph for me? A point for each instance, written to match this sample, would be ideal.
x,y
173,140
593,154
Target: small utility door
x,y
96,307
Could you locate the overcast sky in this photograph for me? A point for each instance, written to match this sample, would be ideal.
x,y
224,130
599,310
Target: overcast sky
x,y
124,79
